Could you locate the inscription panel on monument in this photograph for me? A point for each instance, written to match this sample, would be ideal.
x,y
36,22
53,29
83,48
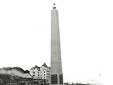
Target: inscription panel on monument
x,y
54,79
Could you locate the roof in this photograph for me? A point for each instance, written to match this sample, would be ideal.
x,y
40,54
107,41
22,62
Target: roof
x,y
35,67
13,68
45,65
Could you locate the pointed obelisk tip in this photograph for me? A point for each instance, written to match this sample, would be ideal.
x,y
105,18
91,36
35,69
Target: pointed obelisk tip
x,y
54,6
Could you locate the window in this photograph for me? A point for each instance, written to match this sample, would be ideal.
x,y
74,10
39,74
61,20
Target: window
x,y
33,72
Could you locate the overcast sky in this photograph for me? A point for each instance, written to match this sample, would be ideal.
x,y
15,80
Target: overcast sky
x,y
86,28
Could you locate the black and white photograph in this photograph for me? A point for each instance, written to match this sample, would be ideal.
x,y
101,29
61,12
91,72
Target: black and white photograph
x,y
56,42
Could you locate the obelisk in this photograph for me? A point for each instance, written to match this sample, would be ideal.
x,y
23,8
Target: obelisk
x,y
56,63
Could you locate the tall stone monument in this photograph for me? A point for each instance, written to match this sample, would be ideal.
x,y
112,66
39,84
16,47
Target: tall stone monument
x,y
56,63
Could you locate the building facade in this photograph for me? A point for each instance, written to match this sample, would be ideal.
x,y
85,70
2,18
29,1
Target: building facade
x,y
41,73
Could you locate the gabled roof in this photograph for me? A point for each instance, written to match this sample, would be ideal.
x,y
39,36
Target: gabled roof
x,y
45,65
35,67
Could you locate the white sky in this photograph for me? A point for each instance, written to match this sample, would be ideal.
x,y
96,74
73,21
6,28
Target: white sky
x,y
86,28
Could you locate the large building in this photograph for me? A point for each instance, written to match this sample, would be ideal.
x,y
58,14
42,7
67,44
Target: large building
x,y
42,72
56,62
